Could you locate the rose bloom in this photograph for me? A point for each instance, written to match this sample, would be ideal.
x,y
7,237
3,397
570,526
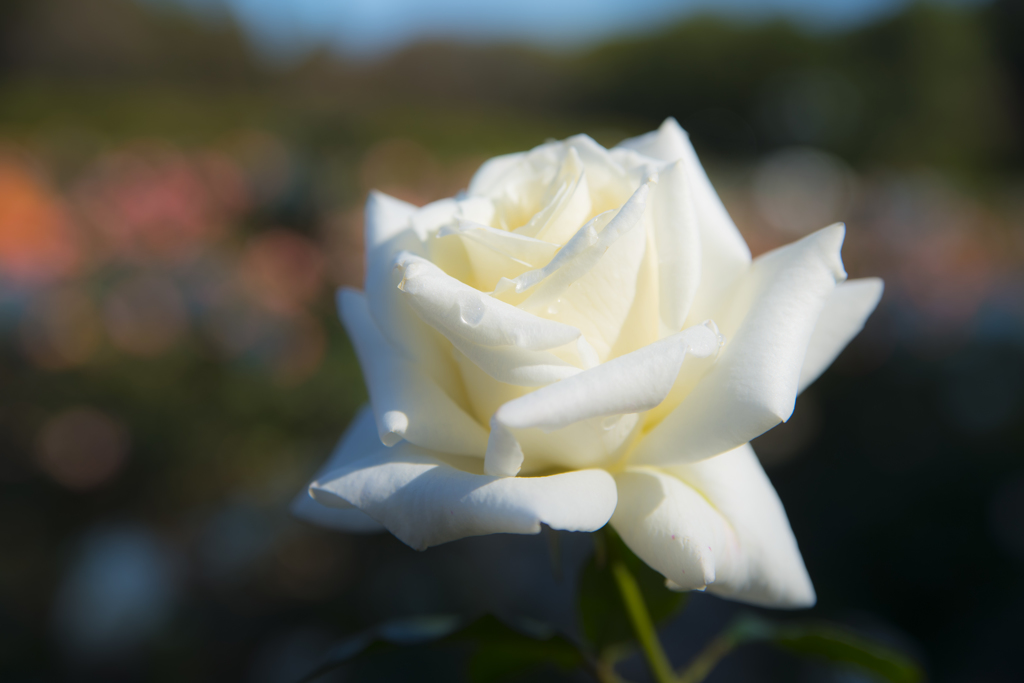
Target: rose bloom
x,y
582,338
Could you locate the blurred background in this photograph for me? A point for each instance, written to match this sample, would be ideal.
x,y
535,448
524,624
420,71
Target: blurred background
x,y
181,189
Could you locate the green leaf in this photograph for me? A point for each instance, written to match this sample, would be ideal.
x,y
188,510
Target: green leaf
x,y
602,614
839,645
511,654
502,650
505,650
827,641
408,631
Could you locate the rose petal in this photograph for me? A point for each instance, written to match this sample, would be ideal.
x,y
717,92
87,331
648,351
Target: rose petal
x,y
533,253
484,266
592,281
340,519
385,217
565,261
631,383
389,230
583,251
359,439
724,254
490,175
424,501
459,311
842,318
519,367
767,327
677,236
607,180
566,204
407,404
717,524
504,341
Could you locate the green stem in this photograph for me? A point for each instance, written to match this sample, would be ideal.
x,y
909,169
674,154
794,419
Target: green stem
x,y
642,624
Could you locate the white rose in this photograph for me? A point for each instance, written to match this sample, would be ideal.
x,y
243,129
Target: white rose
x,y
580,338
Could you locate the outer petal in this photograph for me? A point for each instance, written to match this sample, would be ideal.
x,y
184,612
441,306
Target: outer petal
x,y
724,254
489,175
390,230
677,235
768,326
360,438
424,501
407,403
386,217
340,519
841,319
718,524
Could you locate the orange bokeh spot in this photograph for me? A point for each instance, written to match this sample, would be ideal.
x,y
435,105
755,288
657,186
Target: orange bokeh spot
x,y
38,243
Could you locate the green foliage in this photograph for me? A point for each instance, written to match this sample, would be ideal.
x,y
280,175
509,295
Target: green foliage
x,y
503,653
501,650
840,645
933,85
601,611
504,650
808,639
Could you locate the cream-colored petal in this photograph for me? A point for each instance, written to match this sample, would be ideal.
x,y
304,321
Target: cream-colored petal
x,y
566,204
490,176
677,240
608,182
407,404
629,384
350,519
516,366
389,230
570,263
592,282
841,319
724,253
717,524
458,310
533,253
632,383
386,217
360,439
767,326
425,501
600,303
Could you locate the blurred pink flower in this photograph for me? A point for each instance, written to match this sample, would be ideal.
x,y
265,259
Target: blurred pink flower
x,y
160,205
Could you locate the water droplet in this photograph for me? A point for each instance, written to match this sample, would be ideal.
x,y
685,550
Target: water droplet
x,y
552,310
471,309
